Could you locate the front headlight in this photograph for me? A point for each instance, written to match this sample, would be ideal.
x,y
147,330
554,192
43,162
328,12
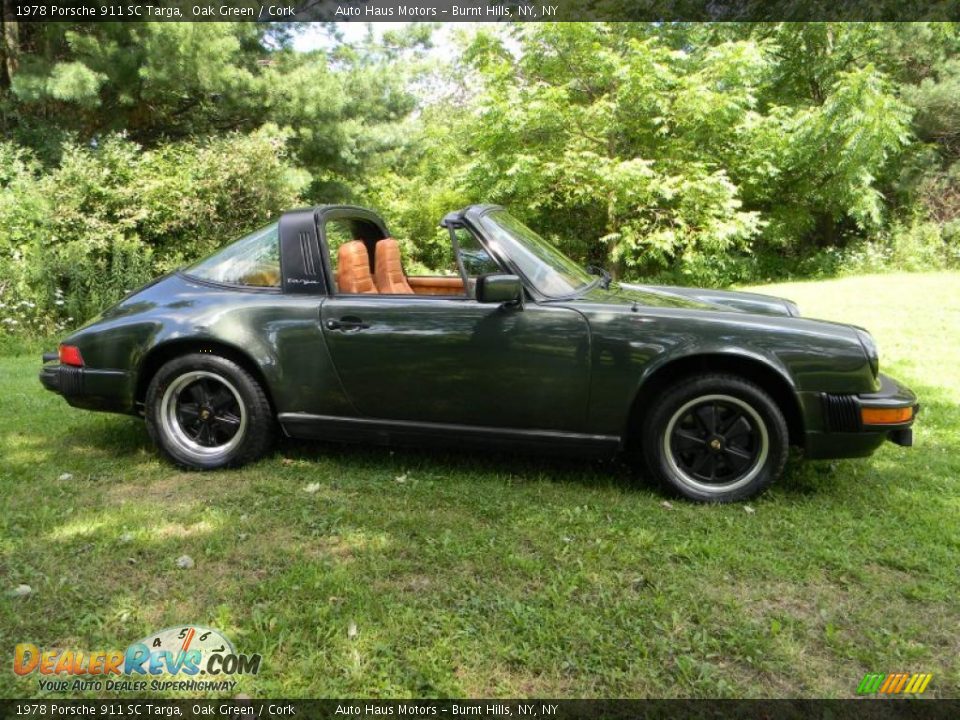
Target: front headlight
x,y
870,348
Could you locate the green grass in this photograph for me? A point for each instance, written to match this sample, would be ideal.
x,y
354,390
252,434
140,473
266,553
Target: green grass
x,y
483,575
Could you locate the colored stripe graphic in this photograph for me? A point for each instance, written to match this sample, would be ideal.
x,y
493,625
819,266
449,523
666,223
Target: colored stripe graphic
x,y
870,683
894,683
888,683
901,682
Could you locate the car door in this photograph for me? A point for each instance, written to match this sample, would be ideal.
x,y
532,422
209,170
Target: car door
x,y
458,361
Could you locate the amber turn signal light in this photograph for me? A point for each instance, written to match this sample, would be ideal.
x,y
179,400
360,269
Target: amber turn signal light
x,y
70,355
885,416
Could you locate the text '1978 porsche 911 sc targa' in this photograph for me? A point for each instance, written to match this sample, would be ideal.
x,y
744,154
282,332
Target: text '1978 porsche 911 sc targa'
x,y
311,325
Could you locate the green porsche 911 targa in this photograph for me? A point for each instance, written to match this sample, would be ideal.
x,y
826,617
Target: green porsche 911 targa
x,y
312,325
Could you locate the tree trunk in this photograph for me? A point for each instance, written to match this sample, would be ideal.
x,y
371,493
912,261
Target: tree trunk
x,y
615,268
9,44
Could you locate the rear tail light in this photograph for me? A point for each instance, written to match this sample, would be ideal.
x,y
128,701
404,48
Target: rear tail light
x,y
70,355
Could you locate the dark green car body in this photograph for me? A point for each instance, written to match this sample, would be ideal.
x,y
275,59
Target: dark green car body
x,y
568,374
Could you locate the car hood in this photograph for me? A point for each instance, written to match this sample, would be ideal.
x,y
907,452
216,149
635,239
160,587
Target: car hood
x,y
692,298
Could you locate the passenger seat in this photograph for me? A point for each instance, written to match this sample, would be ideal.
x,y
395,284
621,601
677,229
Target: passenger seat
x,y
353,269
388,270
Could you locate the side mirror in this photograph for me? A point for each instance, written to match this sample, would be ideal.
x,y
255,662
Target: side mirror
x,y
499,289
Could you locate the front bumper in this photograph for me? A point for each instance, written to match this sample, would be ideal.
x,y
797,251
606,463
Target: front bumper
x,y
844,434
106,390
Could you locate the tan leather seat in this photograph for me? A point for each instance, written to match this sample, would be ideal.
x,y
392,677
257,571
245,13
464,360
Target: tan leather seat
x,y
388,270
353,269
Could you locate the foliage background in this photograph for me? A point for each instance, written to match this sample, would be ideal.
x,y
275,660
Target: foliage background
x,y
709,154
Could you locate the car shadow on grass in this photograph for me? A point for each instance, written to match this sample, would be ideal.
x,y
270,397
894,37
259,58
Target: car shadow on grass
x,y
515,465
804,478
801,479
90,441
119,436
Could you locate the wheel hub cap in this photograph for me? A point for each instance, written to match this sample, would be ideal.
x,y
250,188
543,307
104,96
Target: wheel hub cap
x,y
716,443
202,412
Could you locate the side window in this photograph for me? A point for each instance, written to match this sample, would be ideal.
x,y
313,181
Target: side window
x,y
476,260
437,259
253,261
437,272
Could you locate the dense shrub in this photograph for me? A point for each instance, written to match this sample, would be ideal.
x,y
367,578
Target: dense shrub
x,y
75,239
916,246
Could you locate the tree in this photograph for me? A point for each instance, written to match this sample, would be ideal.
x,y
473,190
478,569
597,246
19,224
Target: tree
x,y
647,147
166,81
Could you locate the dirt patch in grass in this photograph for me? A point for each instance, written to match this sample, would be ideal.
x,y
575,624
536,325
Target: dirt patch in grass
x,y
500,681
159,490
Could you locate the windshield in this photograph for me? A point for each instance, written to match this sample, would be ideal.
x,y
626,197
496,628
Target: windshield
x,y
551,272
253,260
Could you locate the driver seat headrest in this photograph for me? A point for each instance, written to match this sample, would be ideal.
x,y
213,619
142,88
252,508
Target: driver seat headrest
x,y
353,269
388,270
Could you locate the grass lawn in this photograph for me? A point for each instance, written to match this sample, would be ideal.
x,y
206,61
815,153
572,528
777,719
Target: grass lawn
x,y
482,575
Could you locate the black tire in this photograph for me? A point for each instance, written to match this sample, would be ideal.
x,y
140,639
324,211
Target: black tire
x,y
714,438
206,412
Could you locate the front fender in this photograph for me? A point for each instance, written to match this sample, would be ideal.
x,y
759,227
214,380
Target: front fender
x,y
629,346
749,356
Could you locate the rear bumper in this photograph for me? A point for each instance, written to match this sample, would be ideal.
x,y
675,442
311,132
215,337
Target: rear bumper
x,y
844,434
106,390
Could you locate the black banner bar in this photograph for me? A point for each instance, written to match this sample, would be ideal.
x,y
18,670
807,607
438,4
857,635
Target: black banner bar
x,y
478,10
241,709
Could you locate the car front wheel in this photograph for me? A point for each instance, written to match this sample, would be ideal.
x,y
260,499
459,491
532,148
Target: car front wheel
x,y
206,412
715,438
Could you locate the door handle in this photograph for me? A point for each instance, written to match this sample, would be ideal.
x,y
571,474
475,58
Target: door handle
x,y
347,324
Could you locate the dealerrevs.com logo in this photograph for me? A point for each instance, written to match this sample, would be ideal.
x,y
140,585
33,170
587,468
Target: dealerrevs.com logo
x,y
191,658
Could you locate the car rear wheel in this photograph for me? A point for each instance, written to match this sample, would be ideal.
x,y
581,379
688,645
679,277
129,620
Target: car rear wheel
x,y
206,412
715,438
